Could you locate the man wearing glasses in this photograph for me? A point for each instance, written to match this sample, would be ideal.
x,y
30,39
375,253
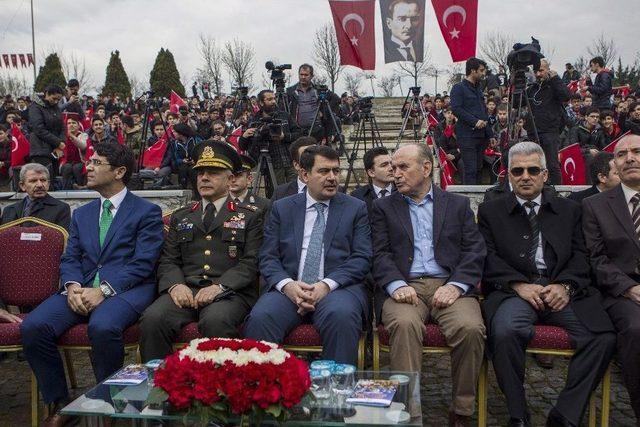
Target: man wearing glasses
x,y
106,275
536,271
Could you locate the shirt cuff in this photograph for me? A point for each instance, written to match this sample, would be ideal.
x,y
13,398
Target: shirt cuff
x,y
465,288
395,285
71,282
282,283
333,285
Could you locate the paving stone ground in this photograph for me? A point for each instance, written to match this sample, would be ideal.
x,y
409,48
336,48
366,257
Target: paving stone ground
x,y
542,387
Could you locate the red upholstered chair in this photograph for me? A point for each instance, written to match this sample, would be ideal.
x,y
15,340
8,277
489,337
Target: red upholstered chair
x,y
29,270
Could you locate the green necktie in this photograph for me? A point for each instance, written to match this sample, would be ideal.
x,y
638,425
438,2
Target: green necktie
x,y
105,222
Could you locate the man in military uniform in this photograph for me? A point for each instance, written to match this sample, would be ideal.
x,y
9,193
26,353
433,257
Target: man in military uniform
x,y
208,269
239,188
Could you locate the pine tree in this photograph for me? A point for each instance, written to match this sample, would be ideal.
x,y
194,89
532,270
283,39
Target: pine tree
x,y
116,82
50,73
164,76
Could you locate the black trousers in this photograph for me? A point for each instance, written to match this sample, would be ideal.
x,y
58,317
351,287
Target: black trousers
x,y
512,327
162,322
550,143
472,150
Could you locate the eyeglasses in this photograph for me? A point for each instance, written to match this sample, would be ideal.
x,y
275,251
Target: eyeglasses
x,y
532,171
98,162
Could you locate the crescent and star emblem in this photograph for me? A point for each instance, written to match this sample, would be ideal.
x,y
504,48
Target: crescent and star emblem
x,y
450,11
14,144
570,161
357,18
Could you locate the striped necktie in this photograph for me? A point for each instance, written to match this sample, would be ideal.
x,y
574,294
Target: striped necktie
x,y
535,230
311,269
635,216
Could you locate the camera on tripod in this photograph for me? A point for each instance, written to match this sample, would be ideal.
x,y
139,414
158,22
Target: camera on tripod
x,y
520,59
323,92
364,105
277,72
268,128
415,90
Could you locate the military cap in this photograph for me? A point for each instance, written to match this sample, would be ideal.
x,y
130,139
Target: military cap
x,y
247,163
216,154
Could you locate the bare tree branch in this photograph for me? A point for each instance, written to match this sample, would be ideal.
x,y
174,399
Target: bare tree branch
x,y
14,85
137,86
606,48
238,57
456,74
387,84
211,55
352,82
74,67
495,47
326,53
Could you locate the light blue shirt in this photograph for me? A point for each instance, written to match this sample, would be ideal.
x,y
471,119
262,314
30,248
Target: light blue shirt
x,y
424,260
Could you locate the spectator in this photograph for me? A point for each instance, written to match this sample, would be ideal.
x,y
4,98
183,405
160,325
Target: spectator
x,y
570,74
203,125
445,136
604,176
47,131
297,185
633,121
183,147
503,80
99,134
609,127
5,159
492,112
601,88
588,135
35,180
132,134
377,165
160,174
219,131
72,170
71,101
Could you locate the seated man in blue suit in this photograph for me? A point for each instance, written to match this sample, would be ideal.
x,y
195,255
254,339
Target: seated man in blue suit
x,y
106,273
314,257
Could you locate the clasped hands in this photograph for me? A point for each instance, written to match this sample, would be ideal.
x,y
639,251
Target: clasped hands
x,y
83,300
444,296
183,297
304,295
554,296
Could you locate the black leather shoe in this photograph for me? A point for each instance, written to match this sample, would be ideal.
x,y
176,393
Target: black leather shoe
x,y
519,422
556,419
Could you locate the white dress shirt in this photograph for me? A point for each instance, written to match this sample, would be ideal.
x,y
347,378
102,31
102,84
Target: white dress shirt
x,y
379,189
116,201
301,185
628,194
540,264
309,219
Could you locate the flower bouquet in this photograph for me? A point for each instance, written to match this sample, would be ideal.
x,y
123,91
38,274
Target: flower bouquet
x,y
212,378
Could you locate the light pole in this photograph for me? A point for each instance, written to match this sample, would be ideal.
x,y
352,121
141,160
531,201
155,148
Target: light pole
x,y
33,47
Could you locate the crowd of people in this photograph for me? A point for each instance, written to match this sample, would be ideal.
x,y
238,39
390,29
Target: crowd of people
x,y
398,251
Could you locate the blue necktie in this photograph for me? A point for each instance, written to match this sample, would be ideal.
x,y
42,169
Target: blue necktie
x,y
311,269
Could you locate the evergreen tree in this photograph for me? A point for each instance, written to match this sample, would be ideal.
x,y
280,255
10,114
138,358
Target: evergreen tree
x,y
116,82
165,76
50,73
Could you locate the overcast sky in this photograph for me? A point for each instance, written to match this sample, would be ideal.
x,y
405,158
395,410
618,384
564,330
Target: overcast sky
x,y
282,30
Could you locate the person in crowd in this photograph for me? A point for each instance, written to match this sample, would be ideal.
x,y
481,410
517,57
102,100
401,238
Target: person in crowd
x,y
570,74
182,147
445,137
315,255
472,128
547,96
632,122
502,122
588,135
377,165
228,116
604,176
35,181
132,134
260,135
297,185
503,81
71,101
536,271
609,128
72,170
428,258
6,172
161,174
99,132
219,131
209,264
47,131
203,124
239,188
107,277
610,221
492,111
601,88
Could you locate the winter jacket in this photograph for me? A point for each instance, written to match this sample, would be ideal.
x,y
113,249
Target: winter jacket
x,y
546,98
601,90
588,139
47,130
467,103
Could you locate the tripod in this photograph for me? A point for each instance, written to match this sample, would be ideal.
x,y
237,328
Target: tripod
x,y
366,133
282,101
518,104
265,168
325,108
150,106
422,115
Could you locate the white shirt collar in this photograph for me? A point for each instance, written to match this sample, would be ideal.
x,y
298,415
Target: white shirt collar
x,y
218,204
311,201
537,200
400,43
378,189
242,197
301,185
116,199
628,193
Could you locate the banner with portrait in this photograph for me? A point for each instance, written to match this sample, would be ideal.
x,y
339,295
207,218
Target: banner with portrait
x,y
403,30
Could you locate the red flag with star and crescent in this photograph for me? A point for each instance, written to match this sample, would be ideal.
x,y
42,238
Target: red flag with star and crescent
x,y
355,31
612,146
447,170
458,20
572,165
20,146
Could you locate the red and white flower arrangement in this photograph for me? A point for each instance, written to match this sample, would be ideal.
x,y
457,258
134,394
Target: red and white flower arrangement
x,y
212,378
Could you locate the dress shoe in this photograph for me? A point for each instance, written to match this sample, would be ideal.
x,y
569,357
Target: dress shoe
x,y
456,420
544,360
556,419
59,420
519,422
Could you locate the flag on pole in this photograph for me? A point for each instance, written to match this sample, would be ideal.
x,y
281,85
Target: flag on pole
x,y
355,31
30,59
14,60
154,154
175,102
458,20
19,146
572,165
612,146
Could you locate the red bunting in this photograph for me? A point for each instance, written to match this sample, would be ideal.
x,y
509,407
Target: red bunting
x,y
14,60
23,60
5,58
572,165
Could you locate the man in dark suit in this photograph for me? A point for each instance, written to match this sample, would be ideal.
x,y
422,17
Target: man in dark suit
x,y
611,232
536,271
106,273
314,258
404,20
428,258
297,186
377,165
209,264
34,180
604,176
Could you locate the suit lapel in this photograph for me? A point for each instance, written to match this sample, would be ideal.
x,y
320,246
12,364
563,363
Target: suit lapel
x,y
123,211
440,201
620,209
335,213
94,224
402,211
299,212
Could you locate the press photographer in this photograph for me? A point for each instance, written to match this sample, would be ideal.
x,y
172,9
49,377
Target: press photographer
x,y
271,131
304,98
546,97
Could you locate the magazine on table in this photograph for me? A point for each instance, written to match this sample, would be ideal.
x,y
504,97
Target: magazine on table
x,y
373,393
129,375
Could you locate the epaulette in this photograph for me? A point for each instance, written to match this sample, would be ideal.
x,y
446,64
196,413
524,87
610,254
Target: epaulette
x,y
251,208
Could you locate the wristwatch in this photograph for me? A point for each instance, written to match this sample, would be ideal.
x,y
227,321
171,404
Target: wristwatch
x,y
106,289
569,288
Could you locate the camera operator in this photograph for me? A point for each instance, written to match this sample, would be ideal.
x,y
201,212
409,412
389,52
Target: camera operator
x,y
303,102
546,97
260,133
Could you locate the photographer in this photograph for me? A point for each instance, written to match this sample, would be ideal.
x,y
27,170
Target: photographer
x,y
546,97
303,100
261,132
71,102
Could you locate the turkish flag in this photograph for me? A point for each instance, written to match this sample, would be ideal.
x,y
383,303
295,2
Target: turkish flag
x,y
573,86
612,146
14,60
86,123
30,58
19,146
572,165
458,20
154,154
23,60
175,102
355,31
446,169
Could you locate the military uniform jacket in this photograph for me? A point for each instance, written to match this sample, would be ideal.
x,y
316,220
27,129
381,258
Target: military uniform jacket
x,y
225,254
257,204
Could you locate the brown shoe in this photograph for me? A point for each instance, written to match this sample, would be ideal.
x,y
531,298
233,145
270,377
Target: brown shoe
x,y
544,361
59,420
456,420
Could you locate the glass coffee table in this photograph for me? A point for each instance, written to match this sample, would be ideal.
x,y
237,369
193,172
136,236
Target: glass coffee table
x,y
129,402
